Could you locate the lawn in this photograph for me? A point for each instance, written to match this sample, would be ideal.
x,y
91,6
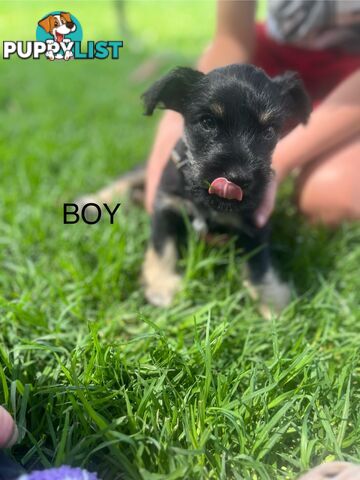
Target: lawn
x,y
96,377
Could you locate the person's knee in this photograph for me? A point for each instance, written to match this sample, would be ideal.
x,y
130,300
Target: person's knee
x,y
323,197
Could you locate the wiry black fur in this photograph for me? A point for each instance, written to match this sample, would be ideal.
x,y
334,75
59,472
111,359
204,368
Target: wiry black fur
x,y
234,116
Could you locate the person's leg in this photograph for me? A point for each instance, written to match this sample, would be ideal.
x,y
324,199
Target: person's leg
x,y
328,189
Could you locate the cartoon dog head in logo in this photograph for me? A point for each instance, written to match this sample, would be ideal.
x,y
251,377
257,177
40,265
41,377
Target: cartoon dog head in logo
x,y
58,25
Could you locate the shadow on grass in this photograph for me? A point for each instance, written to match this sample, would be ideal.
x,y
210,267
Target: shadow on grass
x,y
304,253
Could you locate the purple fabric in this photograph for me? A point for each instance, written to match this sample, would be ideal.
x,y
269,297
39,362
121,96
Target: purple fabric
x,y
62,473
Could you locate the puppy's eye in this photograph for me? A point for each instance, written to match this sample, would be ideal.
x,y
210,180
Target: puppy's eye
x,y
268,133
208,122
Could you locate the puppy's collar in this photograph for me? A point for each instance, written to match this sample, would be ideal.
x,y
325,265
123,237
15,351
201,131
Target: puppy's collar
x,y
178,161
179,154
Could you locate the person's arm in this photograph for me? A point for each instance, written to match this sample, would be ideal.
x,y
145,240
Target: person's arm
x,y
336,120
233,43
333,122
234,39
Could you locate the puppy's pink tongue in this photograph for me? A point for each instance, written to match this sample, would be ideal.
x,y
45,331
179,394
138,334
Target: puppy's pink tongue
x,y
225,189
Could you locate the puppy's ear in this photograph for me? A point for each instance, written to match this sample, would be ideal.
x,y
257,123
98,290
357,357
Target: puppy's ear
x,y
297,102
45,24
172,90
66,16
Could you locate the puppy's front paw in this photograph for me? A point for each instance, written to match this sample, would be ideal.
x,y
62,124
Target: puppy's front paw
x,y
275,300
162,292
272,294
159,275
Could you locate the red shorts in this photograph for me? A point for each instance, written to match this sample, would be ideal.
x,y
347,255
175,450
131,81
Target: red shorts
x,y
321,70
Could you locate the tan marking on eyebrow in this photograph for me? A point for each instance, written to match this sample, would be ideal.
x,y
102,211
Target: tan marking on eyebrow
x,y
217,109
265,116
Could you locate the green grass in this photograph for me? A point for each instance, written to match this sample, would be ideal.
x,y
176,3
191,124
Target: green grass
x,y
96,377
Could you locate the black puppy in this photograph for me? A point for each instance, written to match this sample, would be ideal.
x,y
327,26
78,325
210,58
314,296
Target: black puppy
x,y
219,170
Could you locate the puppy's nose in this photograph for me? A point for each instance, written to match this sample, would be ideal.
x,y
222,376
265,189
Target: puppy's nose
x,y
70,25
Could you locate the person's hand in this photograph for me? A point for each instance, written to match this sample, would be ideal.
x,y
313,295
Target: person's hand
x,y
266,208
8,429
